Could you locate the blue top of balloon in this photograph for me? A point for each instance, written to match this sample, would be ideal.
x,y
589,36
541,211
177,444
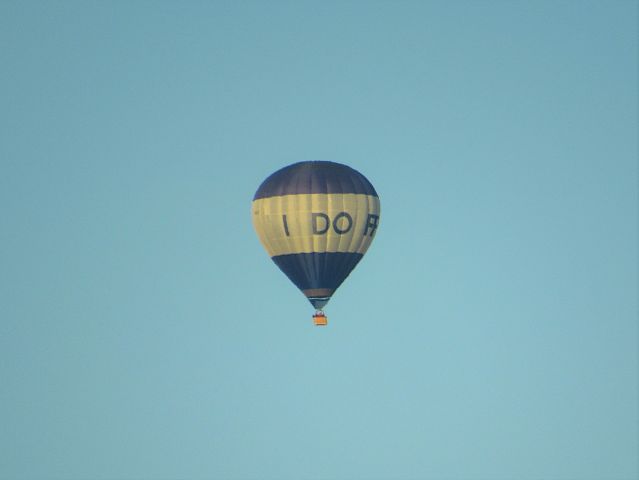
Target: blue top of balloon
x,y
316,176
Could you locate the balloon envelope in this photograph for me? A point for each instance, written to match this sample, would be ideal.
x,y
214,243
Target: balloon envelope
x,y
316,220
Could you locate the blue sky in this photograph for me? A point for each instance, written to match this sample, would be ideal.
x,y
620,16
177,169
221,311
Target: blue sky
x,y
489,333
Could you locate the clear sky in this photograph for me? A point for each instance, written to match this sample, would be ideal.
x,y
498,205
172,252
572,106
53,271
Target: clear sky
x,y
489,333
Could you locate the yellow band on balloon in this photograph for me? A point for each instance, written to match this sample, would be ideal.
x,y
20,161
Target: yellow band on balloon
x,y
316,222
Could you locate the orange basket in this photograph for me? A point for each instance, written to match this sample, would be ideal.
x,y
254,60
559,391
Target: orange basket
x,y
320,320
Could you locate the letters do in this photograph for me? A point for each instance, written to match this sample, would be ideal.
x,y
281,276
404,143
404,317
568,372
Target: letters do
x,y
341,223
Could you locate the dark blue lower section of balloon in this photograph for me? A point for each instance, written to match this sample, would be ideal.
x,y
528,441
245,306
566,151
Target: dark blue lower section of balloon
x,y
317,270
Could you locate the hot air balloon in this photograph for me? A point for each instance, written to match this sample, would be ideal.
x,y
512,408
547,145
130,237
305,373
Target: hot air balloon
x,y
316,219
